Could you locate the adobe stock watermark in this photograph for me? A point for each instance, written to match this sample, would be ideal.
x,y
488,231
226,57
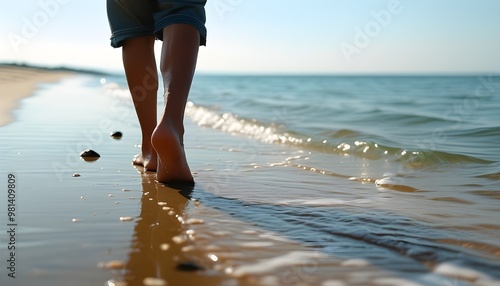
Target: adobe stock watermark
x,y
304,273
485,88
30,26
363,36
220,180
256,135
223,6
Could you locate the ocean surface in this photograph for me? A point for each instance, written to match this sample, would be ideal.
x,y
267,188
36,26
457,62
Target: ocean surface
x,y
404,165
376,180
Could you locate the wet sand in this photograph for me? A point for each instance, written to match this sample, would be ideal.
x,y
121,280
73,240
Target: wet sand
x,y
19,82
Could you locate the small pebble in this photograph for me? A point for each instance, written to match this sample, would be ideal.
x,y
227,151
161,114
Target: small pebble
x,y
188,266
76,175
110,195
116,135
125,190
125,218
164,246
75,220
162,203
82,198
196,202
89,155
150,281
166,208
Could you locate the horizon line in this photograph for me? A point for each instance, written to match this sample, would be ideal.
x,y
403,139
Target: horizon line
x,y
98,71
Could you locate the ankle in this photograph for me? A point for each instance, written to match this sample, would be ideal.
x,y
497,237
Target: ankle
x,y
172,128
146,147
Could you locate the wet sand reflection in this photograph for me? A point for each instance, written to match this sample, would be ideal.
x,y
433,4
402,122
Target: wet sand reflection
x,y
158,252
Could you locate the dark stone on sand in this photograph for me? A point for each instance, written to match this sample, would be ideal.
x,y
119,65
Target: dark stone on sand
x,y
116,134
89,155
188,266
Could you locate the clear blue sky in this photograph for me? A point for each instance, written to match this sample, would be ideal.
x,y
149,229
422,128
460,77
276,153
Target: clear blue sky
x,y
278,36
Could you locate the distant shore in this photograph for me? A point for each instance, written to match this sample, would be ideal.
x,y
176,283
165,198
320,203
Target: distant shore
x,y
20,81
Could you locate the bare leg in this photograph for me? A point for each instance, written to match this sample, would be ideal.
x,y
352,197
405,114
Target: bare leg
x,y
142,78
178,61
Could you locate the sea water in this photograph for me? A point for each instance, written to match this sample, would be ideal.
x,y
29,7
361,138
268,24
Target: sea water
x,y
408,165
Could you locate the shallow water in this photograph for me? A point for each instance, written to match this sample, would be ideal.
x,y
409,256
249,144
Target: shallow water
x,y
300,181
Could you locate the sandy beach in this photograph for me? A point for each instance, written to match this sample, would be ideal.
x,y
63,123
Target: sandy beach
x,y
18,82
259,214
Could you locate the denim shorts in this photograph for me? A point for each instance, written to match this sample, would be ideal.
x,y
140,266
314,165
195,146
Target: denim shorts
x,y
139,18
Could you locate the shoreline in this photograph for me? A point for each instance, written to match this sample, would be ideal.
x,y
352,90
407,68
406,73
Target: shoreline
x,y
259,214
19,82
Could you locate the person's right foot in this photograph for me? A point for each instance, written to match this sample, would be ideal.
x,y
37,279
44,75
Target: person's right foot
x,y
172,163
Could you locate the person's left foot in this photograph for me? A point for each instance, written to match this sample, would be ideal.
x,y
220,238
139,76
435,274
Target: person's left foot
x,y
149,161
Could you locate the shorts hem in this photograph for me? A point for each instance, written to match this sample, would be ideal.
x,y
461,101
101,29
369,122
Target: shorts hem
x,y
181,19
118,37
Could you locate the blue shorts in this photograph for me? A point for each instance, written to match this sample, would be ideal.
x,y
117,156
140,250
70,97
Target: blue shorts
x,y
139,18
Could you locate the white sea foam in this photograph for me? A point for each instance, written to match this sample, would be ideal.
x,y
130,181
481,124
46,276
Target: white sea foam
x,y
232,124
393,281
114,89
257,244
275,237
273,264
451,270
355,262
